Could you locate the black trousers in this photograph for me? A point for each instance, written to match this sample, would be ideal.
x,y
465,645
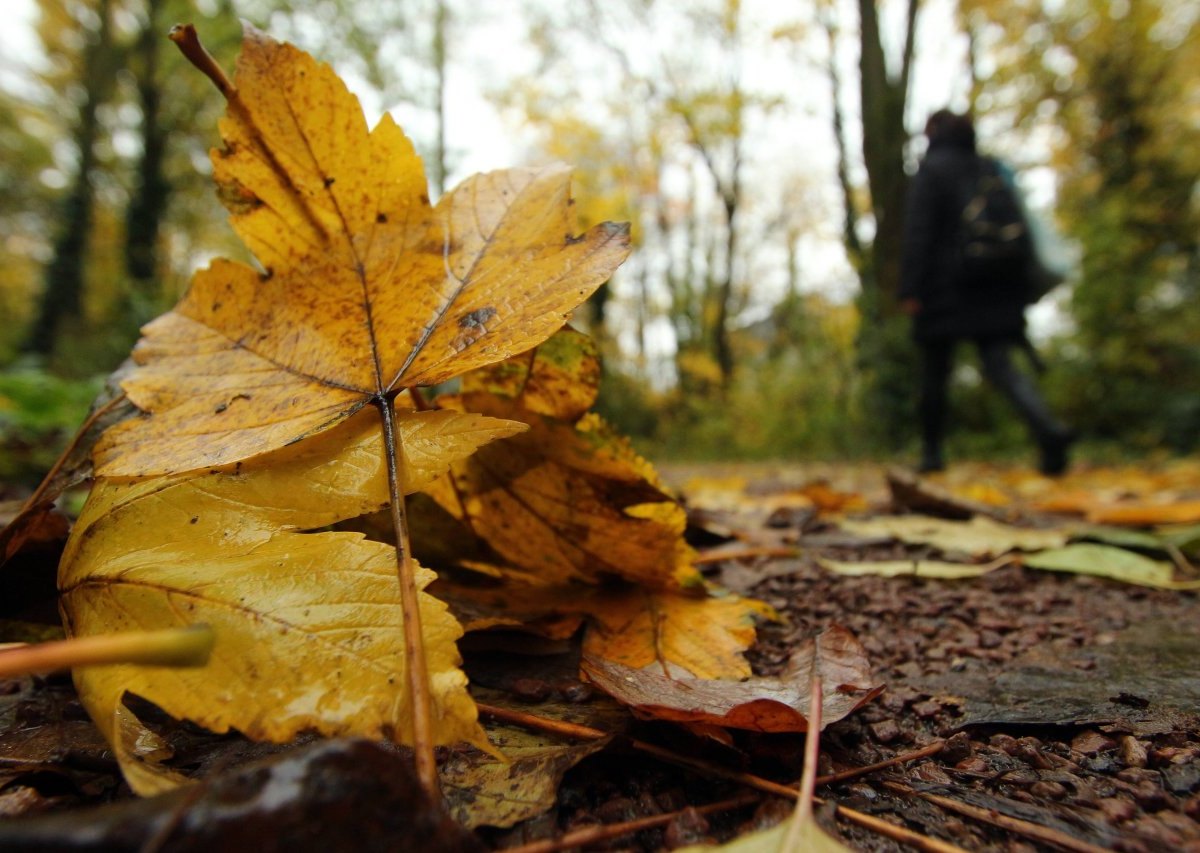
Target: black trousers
x,y
995,355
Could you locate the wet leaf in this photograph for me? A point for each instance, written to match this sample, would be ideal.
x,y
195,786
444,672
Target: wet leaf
x,y
365,287
1105,561
308,625
979,537
756,704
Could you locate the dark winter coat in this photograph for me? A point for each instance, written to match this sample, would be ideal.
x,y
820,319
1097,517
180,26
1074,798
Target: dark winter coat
x,y
951,306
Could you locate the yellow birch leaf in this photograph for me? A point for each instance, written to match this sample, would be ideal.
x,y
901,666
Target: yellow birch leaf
x,y
309,632
365,288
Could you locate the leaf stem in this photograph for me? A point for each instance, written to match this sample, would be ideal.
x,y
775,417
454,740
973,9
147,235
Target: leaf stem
x,y
188,41
808,779
189,646
414,644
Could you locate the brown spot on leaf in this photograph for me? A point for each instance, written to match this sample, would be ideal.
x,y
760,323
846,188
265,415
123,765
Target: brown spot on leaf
x,y
476,319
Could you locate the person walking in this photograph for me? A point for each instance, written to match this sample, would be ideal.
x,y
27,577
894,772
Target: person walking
x,y
967,274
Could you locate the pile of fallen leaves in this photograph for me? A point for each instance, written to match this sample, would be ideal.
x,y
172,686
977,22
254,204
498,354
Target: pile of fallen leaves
x,y
265,422
273,465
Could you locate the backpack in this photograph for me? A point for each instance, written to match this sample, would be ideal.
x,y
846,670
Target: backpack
x,y
994,243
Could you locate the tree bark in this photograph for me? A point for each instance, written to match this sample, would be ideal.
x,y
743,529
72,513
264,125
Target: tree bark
x,y
854,247
65,274
439,70
884,354
148,206
884,99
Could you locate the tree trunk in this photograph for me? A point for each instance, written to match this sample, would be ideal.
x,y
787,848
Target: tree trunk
x,y
884,98
884,353
148,206
63,294
439,68
854,247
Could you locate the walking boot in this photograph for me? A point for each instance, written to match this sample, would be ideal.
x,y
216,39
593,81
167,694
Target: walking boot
x,y
1055,449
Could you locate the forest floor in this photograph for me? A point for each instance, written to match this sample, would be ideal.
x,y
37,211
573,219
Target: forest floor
x,y
1047,710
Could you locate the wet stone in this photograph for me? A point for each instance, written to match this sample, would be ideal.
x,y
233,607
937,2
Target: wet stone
x,y
617,810
1132,753
1181,778
531,689
885,731
687,828
956,748
1117,809
927,709
1048,790
1091,742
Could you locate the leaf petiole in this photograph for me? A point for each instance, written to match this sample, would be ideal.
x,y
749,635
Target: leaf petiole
x,y
190,647
414,644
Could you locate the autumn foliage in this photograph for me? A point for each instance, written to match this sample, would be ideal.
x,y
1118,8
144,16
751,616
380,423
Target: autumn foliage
x,y
280,409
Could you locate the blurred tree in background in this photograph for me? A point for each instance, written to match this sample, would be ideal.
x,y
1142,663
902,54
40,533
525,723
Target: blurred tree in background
x,y
760,151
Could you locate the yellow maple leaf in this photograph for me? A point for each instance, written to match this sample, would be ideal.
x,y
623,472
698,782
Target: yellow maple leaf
x,y
365,288
308,625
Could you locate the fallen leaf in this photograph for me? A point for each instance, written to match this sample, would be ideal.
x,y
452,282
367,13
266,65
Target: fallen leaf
x,y
482,790
308,625
801,832
978,537
554,612
809,838
756,704
34,525
704,633
1105,561
570,501
364,289
1122,537
705,636
827,499
1146,514
916,568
